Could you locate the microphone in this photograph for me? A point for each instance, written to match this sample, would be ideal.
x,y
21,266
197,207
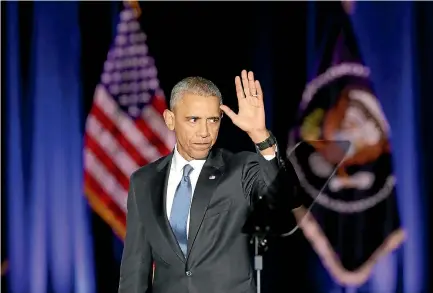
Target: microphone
x,y
272,216
259,222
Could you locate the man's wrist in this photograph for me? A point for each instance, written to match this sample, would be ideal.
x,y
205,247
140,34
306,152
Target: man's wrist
x,y
258,136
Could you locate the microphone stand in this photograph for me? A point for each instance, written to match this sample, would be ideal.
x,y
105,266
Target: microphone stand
x,y
258,227
260,245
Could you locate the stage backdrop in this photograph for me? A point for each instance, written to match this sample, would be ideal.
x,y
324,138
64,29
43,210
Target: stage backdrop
x,y
48,96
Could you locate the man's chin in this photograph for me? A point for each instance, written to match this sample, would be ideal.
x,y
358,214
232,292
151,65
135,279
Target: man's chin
x,y
200,154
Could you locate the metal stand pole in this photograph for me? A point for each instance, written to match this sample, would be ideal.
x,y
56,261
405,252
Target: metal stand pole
x,y
259,242
258,262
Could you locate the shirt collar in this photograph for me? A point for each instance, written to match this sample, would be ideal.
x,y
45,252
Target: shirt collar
x,y
179,162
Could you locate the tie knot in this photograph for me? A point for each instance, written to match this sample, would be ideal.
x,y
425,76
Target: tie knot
x,y
187,170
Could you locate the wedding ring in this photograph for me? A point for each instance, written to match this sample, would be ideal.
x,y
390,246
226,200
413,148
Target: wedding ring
x,y
254,95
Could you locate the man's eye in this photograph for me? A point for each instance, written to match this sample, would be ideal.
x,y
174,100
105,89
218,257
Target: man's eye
x,y
193,120
214,120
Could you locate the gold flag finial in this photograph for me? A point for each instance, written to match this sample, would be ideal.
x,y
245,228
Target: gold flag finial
x,y
135,5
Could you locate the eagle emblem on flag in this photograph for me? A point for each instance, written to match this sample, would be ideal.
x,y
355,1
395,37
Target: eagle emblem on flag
x,y
345,170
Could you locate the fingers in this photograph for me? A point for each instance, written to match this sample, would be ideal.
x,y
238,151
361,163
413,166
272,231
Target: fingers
x,y
246,86
251,84
259,90
245,83
239,89
232,115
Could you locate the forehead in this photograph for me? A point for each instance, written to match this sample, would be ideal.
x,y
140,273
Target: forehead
x,y
195,104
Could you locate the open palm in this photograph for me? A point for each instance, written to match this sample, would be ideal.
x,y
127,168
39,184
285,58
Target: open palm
x,y
251,115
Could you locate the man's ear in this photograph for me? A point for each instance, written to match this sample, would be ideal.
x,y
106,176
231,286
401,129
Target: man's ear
x,y
169,119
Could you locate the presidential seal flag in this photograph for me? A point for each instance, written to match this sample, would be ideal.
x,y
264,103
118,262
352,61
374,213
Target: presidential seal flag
x,y
344,165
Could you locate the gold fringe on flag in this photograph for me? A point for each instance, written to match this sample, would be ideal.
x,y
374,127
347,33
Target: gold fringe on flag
x,y
4,267
135,5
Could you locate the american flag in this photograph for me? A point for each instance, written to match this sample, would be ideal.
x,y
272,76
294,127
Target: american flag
x,y
124,129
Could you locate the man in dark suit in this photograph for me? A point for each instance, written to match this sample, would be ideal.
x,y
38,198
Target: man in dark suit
x,y
186,210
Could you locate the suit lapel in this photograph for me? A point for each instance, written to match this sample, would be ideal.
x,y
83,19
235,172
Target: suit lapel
x,y
206,184
159,196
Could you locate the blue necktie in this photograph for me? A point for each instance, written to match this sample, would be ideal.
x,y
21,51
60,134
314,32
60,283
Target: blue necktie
x,y
180,209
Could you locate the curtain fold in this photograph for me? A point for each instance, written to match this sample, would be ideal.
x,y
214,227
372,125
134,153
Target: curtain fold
x,y
49,238
17,243
387,35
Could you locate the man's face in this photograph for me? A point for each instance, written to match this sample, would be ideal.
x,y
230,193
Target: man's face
x,y
196,121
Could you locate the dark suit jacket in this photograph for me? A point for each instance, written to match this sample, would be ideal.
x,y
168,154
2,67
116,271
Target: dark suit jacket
x,y
218,259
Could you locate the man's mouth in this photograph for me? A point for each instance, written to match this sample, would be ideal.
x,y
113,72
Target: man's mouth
x,y
202,144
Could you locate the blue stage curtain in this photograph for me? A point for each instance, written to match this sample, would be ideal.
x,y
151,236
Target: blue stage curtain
x,y
388,38
49,238
387,35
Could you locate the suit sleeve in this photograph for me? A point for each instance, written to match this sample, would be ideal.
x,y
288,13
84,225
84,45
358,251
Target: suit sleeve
x,y
136,264
272,182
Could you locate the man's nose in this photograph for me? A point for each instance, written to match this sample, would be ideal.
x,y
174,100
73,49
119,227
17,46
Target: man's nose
x,y
203,129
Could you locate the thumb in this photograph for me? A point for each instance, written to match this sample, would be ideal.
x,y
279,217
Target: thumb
x,y
232,115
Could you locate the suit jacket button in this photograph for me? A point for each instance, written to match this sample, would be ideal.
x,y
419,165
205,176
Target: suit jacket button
x,y
188,273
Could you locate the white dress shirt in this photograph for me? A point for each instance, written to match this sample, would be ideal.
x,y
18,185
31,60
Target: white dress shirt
x,y
176,173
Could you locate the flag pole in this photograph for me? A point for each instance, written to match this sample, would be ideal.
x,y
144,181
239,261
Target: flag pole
x,y
348,6
133,4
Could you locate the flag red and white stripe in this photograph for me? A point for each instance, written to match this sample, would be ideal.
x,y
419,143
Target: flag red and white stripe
x,y
124,129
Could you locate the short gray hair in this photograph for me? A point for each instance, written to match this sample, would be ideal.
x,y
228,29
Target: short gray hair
x,y
194,85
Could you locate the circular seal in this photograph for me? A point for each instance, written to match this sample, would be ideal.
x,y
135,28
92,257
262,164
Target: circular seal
x,y
343,161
